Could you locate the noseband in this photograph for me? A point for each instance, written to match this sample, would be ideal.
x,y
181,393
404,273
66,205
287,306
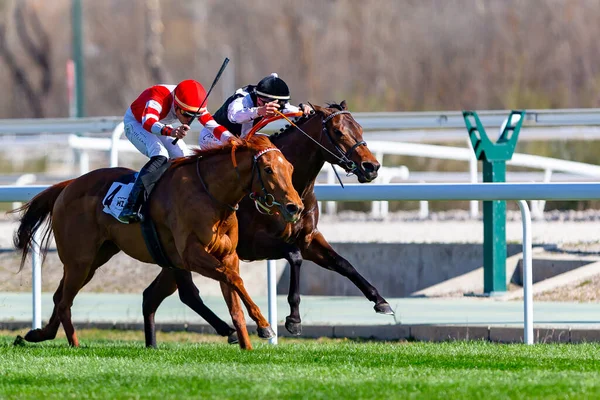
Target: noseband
x,y
267,201
343,158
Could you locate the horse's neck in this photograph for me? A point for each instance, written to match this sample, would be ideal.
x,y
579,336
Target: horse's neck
x,y
304,154
222,180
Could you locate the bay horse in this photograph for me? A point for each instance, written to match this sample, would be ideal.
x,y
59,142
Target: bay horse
x,y
333,136
193,206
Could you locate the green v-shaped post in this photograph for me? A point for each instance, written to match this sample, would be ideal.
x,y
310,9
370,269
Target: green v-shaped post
x,y
494,156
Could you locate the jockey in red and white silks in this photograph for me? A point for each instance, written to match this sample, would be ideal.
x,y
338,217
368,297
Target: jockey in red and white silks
x,y
148,121
148,126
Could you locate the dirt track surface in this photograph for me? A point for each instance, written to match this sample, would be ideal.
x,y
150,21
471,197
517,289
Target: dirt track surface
x,y
573,231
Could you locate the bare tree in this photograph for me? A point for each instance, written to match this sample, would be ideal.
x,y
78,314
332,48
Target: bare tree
x,y
153,38
38,51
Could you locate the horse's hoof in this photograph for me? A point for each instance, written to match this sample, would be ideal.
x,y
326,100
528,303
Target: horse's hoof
x,y
34,336
266,332
232,338
19,341
383,308
295,328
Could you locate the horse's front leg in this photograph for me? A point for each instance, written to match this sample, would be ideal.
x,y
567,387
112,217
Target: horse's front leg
x,y
190,296
321,253
195,258
293,323
165,285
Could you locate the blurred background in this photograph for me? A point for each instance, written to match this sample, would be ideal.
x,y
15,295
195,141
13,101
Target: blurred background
x,y
378,55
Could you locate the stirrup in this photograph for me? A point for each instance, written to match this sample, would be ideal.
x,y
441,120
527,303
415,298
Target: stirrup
x,y
130,217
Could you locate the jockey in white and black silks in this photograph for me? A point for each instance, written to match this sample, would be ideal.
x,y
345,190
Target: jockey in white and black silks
x,y
148,125
248,105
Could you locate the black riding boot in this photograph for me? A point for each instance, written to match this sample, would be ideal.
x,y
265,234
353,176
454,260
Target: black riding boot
x,y
130,212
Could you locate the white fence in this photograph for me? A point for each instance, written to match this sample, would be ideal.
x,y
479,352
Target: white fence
x,y
382,131
519,192
380,148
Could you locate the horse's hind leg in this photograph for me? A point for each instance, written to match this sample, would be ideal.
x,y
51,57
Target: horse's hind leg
x,y
162,287
49,331
77,275
75,278
71,276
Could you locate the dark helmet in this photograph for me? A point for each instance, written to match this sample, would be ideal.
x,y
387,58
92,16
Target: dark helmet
x,y
273,87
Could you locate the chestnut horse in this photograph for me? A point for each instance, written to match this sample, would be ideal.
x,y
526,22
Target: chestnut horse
x,y
193,206
333,136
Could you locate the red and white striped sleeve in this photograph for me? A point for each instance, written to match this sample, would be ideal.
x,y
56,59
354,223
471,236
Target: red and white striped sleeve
x,y
151,106
219,131
150,119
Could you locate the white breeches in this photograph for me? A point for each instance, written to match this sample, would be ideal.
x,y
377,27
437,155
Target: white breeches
x,y
152,145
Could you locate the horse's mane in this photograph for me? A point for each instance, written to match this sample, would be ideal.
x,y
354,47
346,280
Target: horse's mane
x,y
302,120
255,143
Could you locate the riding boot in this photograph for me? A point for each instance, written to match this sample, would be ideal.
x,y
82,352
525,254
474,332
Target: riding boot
x,y
130,212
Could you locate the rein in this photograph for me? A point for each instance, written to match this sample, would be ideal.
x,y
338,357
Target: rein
x,y
343,158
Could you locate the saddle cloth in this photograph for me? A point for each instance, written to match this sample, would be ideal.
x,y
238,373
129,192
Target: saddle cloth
x,y
117,194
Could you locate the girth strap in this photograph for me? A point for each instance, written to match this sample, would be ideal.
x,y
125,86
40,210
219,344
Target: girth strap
x,y
152,240
148,227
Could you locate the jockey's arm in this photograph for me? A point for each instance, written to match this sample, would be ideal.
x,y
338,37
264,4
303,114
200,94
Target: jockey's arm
x,y
239,113
219,131
288,108
150,120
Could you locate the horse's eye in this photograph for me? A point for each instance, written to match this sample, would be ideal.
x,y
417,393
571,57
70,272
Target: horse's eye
x,y
338,132
269,170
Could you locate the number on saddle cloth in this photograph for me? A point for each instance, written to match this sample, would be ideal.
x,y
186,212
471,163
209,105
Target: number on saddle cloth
x,y
117,194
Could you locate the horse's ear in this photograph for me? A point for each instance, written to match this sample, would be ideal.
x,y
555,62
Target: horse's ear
x,y
318,108
343,105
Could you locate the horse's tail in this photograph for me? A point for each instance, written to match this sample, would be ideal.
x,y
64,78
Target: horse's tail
x,y
34,214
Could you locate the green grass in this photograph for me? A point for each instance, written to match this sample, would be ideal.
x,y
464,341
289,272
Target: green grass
x,y
107,366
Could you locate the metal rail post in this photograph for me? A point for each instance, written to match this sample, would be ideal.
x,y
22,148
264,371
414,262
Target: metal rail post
x,y
494,157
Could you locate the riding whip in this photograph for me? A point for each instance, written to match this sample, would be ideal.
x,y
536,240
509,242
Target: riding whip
x,y
225,62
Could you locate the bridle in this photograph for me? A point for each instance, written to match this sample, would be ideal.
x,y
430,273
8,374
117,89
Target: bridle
x,y
263,202
343,158
267,201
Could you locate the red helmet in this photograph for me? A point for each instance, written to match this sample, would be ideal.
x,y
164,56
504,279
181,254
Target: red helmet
x,y
189,94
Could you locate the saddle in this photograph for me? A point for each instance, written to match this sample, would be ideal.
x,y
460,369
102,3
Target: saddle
x,y
115,200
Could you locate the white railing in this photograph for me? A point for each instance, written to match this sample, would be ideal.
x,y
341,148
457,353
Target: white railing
x,y
376,121
519,192
438,126
380,149
547,164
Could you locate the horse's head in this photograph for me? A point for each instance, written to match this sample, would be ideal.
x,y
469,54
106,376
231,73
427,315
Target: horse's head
x,y
271,182
344,140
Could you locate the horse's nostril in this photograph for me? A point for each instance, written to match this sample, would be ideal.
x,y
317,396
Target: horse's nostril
x,y
369,166
291,208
